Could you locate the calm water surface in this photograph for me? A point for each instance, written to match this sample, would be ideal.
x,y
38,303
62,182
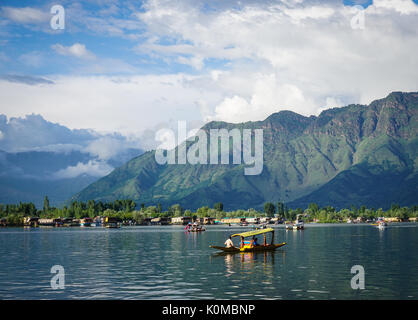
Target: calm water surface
x,y
167,263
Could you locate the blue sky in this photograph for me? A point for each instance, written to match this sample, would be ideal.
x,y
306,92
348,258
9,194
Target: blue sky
x,y
133,66
32,41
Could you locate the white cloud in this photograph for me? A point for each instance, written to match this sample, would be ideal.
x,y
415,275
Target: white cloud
x,y
291,56
128,104
252,61
77,50
91,168
108,147
402,6
314,12
26,15
268,96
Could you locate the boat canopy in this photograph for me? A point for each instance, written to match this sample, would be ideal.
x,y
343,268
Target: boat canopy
x,y
253,233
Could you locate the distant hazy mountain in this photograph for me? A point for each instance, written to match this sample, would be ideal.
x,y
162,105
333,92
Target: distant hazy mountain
x,y
39,158
355,155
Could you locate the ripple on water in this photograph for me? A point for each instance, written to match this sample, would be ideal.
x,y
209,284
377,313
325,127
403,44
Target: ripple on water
x,y
165,263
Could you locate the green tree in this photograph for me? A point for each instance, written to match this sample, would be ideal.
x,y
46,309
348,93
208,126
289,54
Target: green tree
x,y
46,204
219,206
269,209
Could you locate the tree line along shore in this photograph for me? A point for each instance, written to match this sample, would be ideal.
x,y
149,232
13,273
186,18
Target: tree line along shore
x,y
126,212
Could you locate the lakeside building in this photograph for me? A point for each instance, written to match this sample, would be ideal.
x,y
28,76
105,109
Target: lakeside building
x,y
233,220
208,220
181,220
396,219
50,222
146,221
86,222
253,220
198,220
265,220
30,221
160,221
111,222
360,219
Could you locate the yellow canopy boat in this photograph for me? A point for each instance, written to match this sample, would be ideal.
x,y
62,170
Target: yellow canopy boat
x,y
250,246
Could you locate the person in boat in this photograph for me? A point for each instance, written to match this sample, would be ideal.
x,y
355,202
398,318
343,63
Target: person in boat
x,y
255,243
229,243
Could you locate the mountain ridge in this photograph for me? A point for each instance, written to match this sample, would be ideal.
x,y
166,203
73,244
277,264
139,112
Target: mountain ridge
x,y
301,156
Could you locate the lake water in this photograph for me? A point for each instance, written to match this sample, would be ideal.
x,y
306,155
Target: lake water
x,y
167,263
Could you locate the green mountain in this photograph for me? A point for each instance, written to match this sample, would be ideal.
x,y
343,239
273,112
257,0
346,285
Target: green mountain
x,y
355,155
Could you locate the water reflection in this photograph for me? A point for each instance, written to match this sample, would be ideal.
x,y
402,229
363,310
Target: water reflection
x,y
168,263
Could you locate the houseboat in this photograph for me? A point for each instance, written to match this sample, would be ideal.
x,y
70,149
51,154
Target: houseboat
x,y
111,222
30,221
208,220
253,220
86,222
162,221
181,220
46,222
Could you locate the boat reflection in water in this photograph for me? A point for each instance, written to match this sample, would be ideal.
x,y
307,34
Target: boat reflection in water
x,y
251,266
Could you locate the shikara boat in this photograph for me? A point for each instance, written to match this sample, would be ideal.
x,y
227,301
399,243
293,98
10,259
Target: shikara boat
x,y
248,246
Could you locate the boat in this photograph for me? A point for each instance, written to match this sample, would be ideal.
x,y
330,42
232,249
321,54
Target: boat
x,y
86,222
382,224
298,225
199,229
111,222
248,246
194,228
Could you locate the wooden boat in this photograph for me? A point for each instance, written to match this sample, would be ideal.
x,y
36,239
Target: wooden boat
x,y
196,230
248,246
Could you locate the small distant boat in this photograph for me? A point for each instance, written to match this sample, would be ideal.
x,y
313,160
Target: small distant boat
x,y
249,246
382,224
194,228
298,225
200,229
